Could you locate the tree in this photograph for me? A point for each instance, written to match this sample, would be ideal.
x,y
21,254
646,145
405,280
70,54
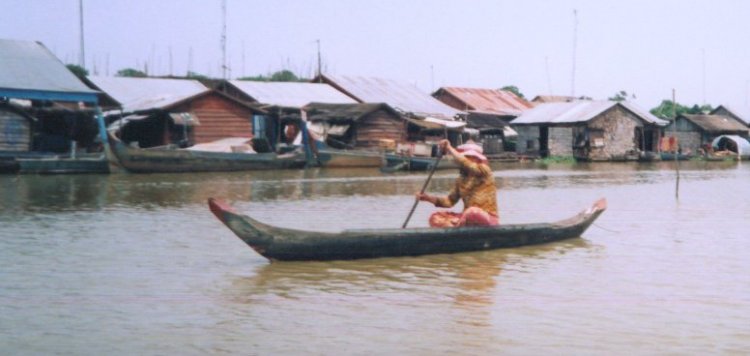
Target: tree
x,y
700,109
194,75
130,72
79,71
513,89
667,110
620,96
278,76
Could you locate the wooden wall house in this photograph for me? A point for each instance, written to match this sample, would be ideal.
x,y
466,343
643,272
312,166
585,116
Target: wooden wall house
x,y
283,102
588,131
695,132
15,129
489,112
742,116
364,126
430,118
159,111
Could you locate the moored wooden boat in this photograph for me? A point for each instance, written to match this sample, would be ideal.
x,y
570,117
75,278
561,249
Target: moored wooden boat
x,y
50,163
163,160
336,158
399,162
670,156
276,243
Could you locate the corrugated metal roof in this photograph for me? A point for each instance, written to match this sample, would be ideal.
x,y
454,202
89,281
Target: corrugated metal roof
x,y
578,111
742,112
716,123
403,97
290,94
343,112
644,114
552,99
136,94
30,66
489,101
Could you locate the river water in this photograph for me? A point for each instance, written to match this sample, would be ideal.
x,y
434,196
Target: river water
x,y
136,264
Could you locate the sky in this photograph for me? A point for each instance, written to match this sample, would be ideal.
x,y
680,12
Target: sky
x,y
701,49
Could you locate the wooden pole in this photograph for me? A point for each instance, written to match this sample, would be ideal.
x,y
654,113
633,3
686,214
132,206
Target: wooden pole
x,y
424,187
677,151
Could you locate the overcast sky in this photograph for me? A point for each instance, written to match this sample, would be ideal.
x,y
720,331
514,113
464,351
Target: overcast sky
x,y
699,48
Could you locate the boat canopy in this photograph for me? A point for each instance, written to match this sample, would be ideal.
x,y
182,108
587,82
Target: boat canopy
x,y
732,143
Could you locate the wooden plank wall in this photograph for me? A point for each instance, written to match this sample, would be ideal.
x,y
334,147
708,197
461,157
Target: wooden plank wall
x,y
219,118
379,125
15,132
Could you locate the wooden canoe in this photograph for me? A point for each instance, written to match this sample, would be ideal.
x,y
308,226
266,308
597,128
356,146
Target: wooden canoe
x,y
163,160
276,243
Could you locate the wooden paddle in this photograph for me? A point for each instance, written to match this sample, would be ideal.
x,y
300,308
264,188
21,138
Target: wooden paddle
x,y
424,187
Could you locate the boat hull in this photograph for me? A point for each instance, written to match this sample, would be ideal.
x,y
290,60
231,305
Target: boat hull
x,y
282,244
418,163
138,160
331,158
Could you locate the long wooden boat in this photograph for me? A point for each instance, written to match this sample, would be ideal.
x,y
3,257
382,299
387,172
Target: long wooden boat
x,y
164,160
336,158
395,162
49,163
670,156
276,243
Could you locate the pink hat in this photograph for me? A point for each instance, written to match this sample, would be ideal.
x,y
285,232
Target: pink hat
x,y
476,154
470,146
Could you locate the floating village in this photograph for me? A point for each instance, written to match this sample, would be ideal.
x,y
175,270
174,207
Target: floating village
x,y
55,121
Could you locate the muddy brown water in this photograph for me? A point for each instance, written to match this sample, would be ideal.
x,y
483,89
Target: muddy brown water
x,y
136,264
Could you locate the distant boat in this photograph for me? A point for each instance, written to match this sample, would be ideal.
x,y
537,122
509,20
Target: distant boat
x,y
171,159
338,158
670,156
395,162
47,163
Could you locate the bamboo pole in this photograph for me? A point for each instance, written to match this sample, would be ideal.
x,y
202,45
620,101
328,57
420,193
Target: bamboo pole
x,y
677,151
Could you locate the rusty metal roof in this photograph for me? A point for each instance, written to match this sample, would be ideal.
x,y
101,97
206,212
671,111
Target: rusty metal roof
x,y
138,94
291,94
488,101
579,111
28,70
716,124
401,96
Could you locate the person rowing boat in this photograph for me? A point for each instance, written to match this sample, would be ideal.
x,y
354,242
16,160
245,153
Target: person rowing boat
x,y
475,186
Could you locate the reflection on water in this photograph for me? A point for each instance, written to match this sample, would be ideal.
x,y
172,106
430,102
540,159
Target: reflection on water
x,y
135,264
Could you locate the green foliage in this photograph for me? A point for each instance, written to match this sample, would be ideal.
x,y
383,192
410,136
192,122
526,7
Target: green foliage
x,y
130,72
79,71
513,89
620,96
194,75
278,76
558,160
667,109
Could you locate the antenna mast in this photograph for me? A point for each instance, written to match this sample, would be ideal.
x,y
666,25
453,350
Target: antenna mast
x,y
549,80
575,43
703,60
320,70
82,60
224,39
